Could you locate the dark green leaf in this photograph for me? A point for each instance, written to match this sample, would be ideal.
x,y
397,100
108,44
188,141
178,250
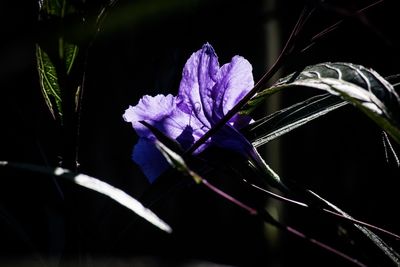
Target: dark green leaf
x,y
362,87
387,250
283,121
49,82
55,56
71,52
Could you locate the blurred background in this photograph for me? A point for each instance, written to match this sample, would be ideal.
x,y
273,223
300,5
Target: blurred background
x,y
141,49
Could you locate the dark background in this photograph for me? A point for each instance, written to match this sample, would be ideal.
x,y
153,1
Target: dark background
x,y
141,49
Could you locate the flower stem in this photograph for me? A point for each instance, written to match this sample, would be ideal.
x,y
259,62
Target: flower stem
x,y
284,55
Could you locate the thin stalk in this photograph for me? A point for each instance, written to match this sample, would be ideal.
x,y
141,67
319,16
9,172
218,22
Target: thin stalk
x,y
266,217
323,210
284,55
337,24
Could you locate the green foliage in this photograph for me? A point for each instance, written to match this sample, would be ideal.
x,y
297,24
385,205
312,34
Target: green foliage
x,y
354,84
55,56
285,120
49,82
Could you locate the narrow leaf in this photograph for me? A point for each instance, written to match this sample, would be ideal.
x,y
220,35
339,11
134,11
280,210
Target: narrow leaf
x,y
177,161
283,121
99,186
362,87
71,51
389,252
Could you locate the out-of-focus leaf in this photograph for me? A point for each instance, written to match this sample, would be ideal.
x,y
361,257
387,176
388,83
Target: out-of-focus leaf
x,y
362,87
283,121
99,186
394,80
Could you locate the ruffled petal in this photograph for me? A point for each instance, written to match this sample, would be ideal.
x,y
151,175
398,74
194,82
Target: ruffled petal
x,y
198,78
206,94
150,160
150,109
235,80
179,124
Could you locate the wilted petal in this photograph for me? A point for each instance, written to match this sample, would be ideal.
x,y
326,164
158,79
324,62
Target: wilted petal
x,y
150,160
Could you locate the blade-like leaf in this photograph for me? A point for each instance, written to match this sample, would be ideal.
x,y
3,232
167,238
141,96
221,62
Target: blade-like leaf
x,y
362,87
283,121
389,252
177,162
253,160
99,186
71,51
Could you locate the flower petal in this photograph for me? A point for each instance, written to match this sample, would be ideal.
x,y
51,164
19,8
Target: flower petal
x,y
150,160
150,109
198,78
229,138
235,80
178,126
206,94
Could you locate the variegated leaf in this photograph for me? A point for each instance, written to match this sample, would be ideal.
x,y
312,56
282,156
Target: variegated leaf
x,y
355,84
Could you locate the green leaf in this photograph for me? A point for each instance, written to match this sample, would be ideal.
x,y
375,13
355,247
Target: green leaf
x,y
55,56
70,51
172,151
49,82
96,185
362,87
283,121
176,161
386,249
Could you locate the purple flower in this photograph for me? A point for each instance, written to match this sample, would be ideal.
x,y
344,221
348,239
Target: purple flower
x,y
206,93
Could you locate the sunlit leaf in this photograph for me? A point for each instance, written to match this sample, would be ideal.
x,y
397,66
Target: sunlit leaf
x,y
362,87
55,55
71,52
283,121
49,82
99,186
